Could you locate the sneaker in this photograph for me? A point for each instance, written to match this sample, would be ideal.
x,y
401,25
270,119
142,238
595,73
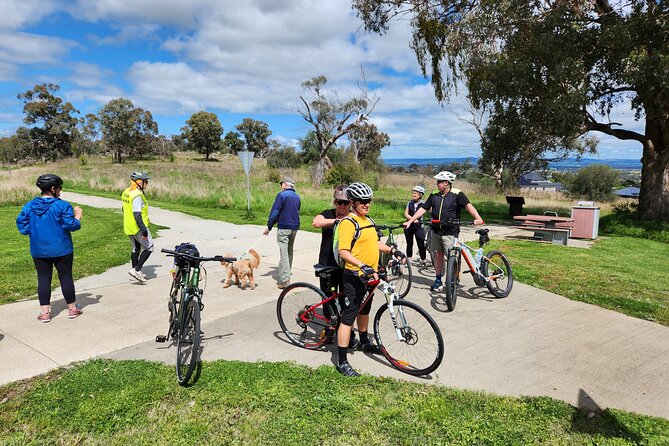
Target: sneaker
x,y
74,313
369,347
437,285
137,275
143,276
282,285
346,370
44,317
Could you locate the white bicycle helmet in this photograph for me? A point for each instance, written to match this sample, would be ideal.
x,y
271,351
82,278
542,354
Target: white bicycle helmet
x,y
445,175
359,191
419,189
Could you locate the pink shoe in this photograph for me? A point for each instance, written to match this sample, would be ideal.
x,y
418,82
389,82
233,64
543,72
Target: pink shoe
x,y
73,313
44,317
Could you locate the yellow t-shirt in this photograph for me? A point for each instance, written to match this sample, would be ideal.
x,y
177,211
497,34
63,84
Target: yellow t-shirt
x,y
366,247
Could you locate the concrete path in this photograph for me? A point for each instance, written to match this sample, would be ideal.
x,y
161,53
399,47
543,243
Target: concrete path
x,y
531,343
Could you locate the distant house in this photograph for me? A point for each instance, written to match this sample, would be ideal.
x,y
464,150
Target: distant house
x,y
536,181
628,192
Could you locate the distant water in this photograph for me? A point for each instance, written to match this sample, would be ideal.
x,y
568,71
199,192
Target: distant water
x,y
568,164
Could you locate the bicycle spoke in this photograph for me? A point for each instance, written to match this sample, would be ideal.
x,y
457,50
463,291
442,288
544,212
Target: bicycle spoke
x,y
300,319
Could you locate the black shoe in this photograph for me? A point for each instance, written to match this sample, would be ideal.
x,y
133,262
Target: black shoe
x,y
368,347
346,370
353,342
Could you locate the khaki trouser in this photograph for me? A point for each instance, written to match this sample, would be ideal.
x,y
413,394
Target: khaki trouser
x,y
286,239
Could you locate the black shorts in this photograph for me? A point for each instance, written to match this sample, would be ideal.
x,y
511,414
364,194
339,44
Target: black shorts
x,y
354,290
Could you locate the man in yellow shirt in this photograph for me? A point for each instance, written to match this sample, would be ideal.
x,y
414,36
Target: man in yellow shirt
x,y
359,246
136,223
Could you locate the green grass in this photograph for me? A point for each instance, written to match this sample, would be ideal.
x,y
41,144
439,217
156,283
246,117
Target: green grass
x,y
134,402
624,274
99,245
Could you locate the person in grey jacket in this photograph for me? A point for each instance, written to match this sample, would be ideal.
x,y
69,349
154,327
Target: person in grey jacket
x,y
48,221
285,214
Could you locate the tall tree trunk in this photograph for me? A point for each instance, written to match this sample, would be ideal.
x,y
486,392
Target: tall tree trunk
x,y
319,172
654,195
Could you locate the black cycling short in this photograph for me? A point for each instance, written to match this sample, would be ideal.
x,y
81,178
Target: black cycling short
x,y
354,290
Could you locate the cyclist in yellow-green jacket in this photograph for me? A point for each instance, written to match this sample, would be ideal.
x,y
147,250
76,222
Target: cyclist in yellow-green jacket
x,y
136,223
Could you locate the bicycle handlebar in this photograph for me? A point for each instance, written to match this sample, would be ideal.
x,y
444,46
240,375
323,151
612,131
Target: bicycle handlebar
x,y
391,227
199,259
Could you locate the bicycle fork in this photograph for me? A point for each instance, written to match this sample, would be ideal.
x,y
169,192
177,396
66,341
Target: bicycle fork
x,y
396,314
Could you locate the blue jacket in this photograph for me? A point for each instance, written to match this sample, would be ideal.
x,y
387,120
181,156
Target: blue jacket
x,y
285,211
48,221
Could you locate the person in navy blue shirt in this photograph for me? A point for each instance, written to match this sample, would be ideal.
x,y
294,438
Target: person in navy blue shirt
x,y
48,221
285,214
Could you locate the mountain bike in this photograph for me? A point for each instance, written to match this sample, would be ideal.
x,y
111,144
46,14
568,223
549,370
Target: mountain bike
x,y
185,305
398,274
406,334
492,270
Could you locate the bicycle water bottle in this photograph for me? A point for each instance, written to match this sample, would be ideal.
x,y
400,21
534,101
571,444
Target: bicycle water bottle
x,y
478,256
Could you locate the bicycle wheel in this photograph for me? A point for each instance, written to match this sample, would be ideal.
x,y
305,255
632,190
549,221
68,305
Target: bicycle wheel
x,y
188,342
304,327
452,280
497,267
399,275
421,347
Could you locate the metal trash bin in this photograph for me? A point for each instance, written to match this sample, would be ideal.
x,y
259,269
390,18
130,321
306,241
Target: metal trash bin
x,y
586,220
515,205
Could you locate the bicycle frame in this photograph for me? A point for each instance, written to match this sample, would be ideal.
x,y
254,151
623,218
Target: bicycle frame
x,y
474,267
389,293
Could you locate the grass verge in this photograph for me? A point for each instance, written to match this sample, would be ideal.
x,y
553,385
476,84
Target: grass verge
x,y
235,403
99,245
619,273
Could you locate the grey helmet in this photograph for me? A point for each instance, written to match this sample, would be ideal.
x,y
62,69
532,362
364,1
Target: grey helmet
x,y
47,181
359,191
139,176
419,189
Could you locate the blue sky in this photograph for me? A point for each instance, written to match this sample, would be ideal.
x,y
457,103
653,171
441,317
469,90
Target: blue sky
x,y
236,59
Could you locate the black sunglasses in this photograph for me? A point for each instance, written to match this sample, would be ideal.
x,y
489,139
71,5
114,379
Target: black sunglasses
x,y
342,202
365,201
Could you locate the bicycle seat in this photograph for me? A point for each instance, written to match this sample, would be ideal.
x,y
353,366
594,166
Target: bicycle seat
x,y
482,231
324,270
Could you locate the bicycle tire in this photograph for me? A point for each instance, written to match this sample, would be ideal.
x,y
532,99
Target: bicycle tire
x,y
399,275
292,302
407,355
498,287
188,342
452,280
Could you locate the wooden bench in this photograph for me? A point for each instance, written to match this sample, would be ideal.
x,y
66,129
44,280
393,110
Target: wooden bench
x,y
557,236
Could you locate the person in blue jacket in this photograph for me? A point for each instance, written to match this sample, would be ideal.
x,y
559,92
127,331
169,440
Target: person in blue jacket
x,y
48,221
285,214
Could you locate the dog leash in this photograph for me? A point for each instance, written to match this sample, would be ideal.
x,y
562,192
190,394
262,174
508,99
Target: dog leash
x,y
251,247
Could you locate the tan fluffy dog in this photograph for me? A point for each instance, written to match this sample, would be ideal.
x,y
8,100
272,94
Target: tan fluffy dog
x,y
242,269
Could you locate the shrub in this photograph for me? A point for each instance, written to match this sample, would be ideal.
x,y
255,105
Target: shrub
x,y
595,182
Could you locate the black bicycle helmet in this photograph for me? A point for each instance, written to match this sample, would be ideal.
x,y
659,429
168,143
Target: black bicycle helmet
x,y
139,176
46,181
359,191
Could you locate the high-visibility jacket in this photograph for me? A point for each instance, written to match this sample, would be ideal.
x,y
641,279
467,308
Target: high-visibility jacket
x,y
130,226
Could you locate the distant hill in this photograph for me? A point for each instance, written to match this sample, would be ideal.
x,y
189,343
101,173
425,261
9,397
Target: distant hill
x,y
568,164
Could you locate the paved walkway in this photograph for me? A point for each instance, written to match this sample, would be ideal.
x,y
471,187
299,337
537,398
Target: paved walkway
x,y
531,343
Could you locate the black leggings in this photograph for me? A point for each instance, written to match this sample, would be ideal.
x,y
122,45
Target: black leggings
x,y
419,232
44,268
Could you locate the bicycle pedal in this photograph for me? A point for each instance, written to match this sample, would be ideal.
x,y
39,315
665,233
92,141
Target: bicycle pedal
x,y
161,338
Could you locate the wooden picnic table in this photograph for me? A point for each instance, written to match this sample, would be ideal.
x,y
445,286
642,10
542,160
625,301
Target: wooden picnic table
x,y
547,227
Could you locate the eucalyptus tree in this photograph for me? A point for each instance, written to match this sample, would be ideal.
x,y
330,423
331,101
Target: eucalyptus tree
x,y
332,117
561,65
256,134
53,126
126,129
202,133
232,142
366,144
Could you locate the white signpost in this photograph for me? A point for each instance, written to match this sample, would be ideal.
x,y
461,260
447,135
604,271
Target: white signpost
x,y
246,158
